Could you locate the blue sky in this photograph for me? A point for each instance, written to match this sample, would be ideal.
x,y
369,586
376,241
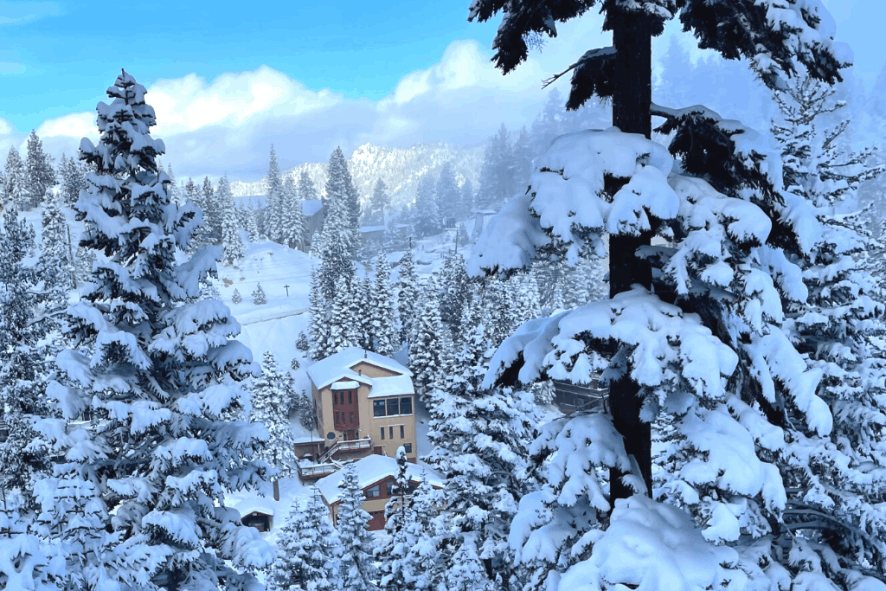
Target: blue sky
x,y
227,79
359,49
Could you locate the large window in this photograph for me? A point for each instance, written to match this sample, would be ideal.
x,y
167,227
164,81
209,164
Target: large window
x,y
402,436
392,407
408,447
373,492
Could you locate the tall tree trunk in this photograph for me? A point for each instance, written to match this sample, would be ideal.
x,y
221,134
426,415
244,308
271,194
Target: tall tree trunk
x,y
631,102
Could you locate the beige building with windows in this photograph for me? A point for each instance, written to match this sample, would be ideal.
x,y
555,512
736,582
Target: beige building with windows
x,y
377,476
364,403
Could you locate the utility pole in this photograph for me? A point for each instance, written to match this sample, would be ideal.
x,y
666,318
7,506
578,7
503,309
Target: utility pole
x,y
287,290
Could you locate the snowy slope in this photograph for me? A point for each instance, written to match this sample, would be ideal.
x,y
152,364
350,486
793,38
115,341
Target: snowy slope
x,y
399,168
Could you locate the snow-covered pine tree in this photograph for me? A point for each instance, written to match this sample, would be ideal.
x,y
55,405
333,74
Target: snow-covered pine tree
x,y
480,441
258,296
212,212
466,199
342,334
498,307
73,180
202,235
306,189
774,40
173,190
301,343
352,522
309,555
374,215
294,224
339,237
236,298
55,266
23,457
156,371
382,318
427,211
40,173
17,187
393,548
273,226
356,304
522,154
424,347
727,276
270,400
252,227
447,195
428,556
496,176
230,229
455,291
319,327
408,295
24,563
834,516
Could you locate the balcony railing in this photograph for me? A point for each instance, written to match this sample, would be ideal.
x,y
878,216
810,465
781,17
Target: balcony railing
x,y
345,446
316,470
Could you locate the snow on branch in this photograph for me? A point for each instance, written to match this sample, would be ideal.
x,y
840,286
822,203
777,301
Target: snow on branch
x,y
587,183
664,346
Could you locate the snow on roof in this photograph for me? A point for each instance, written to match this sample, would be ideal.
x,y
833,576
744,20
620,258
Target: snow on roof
x,y
369,229
255,504
370,470
345,385
311,207
391,386
339,365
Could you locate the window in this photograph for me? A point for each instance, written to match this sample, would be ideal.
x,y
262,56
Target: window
x,y
373,492
336,416
352,417
382,433
378,408
406,406
334,397
408,447
349,397
402,430
392,487
393,406
391,432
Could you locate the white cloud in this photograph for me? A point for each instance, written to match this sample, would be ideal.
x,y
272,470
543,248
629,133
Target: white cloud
x,y
75,125
228,123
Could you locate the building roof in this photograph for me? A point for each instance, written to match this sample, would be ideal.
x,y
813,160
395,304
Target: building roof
x,y
370,229
338,366
391,386
311,207
255,505
370,470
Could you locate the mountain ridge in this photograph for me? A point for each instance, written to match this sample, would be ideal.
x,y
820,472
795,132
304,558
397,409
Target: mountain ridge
x,y
400,169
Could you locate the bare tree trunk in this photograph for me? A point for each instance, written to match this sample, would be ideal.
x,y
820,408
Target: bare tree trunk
x,y
631,102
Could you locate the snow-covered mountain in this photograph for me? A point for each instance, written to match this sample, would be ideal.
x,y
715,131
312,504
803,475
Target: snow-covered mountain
x,y
399,168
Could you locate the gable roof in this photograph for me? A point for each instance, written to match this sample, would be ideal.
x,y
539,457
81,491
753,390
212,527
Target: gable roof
x,y
370,470
338,366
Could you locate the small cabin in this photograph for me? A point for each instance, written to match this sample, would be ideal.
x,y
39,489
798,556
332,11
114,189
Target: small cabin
x,y
257,514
